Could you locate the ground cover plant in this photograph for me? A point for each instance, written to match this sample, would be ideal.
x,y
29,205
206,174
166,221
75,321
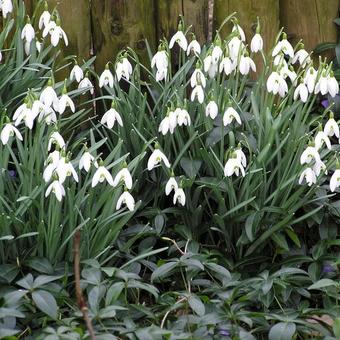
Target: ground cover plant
x,y
198,193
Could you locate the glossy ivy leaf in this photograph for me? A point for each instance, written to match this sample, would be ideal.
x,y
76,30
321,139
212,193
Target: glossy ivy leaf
x,y
45,302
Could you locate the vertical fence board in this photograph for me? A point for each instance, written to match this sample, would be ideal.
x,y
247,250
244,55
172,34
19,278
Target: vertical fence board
x,y
247,13
117,24
310,20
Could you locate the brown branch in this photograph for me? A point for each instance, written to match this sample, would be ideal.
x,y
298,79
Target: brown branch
x,y
80,299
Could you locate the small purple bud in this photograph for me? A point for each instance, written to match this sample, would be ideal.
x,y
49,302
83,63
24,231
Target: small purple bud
x,y
325,103
327,268
223,332
12,173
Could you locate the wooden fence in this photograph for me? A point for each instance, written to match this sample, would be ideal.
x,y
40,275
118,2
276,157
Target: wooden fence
x,y
106,26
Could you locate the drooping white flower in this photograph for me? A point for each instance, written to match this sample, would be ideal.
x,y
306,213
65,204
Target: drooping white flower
x,y
209,66
233,166
161,74
229,115
211,110
284,46
86,84
49,171
241,157
86,160
56,139
301,56
49,97
156,157
48,115
56,32
302,92
179,197
160,60
24,113
171,184
335,180
277,84
27,32
318,167
321,138
309,154
6,7
106,78
8,131
235,46
310,78
180,39
101,175
123,69
216,54
44,19
332,85
197,78
198,93
77,73
65,169
57,189
245,64
169,123
239,29
183,117
309,176
194,46
53,158
66,101
256,44
331,127
123,176
322,84
227,65
127,199
111,116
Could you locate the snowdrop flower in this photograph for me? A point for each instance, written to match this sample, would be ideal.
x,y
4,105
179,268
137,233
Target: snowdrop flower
x,y
168,123
123,176
101,175
256,43
171,184
179,197
211,110
318,167
123,69
302,92
24,113
233,166
65,101
161,74
235,46
56,139
301,56
332,85
197,78
209,66
335,179
106,78
216,54
27,32
284,46
183,117
57,189
199,93
322,84
49,171
53,158
179,38
111,116
309,154
38,45
126,199
229,115
6,7
49,97
65,169
160,59
309,176
321,138
241,157
237,28
86,160
45,17
56,32
310,78
245,64
331,127
194,46
227,65
277,84
77,73
86,84
47,114
0,56
8,131
156,157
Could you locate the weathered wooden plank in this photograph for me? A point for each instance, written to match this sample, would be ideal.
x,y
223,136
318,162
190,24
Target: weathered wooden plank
x,y
311,20
117,24
195,13
247,13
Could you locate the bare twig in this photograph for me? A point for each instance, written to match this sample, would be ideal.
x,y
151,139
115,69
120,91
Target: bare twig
x,y
80,299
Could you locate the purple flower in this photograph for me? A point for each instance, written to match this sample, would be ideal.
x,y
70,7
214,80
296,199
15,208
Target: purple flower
x,y
223,332
327,268
325,103
12,173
